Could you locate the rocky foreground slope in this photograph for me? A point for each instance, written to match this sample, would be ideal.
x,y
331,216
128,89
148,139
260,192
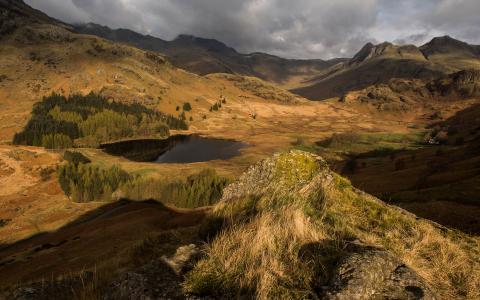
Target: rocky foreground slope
x,y
294,230
290,228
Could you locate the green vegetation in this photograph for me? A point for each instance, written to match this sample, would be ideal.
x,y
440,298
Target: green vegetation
x,y
300,144
216,106
202,189
83,181
372,144
89,120
88,182
56,141
187,106
75,157
339,140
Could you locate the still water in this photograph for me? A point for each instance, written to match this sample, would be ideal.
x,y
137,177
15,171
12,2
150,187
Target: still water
x,y
176,149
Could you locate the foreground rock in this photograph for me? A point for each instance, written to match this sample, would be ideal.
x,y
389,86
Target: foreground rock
x,y
159,279
372,273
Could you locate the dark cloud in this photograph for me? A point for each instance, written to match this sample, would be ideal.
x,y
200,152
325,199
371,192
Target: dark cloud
x,y
300,28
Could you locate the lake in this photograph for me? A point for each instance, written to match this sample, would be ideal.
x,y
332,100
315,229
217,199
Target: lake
x,y
176,149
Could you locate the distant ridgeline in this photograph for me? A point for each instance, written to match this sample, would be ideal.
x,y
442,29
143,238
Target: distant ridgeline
x,y
60,122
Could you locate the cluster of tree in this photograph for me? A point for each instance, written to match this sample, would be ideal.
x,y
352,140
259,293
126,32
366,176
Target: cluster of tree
x,y
83,181
218,105
58,120
202,189
87,182
56,141
76,157
187,106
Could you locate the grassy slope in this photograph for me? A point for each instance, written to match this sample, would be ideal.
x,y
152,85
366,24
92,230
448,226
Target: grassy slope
x,y
36,61
292,200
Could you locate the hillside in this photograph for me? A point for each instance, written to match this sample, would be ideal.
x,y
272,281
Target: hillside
x,y
312,235
378,64
205,56
40,56
404,95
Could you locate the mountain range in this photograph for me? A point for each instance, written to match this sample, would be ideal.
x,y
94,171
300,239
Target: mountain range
x,y
205,56
314,79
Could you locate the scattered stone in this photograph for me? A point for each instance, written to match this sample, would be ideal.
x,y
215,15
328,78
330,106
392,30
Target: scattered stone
x,y
4,222
183,259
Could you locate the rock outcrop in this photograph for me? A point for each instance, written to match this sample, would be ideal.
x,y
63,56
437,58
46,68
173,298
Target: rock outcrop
x,y
271,190
372,273
462,84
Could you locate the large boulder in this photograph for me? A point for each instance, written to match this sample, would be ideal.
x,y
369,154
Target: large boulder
x,y
372,273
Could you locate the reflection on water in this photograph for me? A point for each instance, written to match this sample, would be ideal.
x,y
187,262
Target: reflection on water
x,y
176,149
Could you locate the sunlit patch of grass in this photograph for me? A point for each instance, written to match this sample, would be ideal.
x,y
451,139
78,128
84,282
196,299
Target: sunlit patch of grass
x,y
358,143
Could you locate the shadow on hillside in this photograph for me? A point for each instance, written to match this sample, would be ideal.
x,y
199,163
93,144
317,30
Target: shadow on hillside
x,y
95,238
375,72
437,182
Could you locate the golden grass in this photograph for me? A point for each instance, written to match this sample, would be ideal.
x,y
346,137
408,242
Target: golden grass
x,y
260,257
447,259
261,251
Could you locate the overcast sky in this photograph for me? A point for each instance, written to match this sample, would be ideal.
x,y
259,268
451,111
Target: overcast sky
x,y
289,28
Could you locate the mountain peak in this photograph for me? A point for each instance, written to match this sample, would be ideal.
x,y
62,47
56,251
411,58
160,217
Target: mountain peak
x,y
370,51
447,44
15,13
206,43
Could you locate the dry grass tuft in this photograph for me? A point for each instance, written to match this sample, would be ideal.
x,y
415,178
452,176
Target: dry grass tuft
x,y
260,258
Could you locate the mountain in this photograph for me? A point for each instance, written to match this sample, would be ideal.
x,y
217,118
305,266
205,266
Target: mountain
x,y
451,53
378,64
205,56
313,79
449,45
15,13
40,55
402,95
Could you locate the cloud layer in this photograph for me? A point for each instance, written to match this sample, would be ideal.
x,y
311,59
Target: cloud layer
x,y
300,28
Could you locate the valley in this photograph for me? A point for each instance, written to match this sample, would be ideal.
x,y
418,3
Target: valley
x,y
137,168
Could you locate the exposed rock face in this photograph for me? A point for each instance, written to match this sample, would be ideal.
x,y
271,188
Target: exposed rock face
x,y
285,174
182,259
464,84
370,51
372,273
398,95
301,179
